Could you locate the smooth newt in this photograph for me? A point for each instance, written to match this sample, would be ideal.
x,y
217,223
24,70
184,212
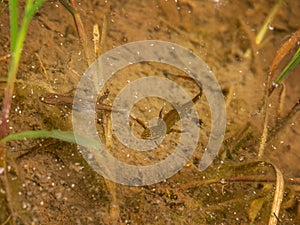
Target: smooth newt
x,y
56,99
170,119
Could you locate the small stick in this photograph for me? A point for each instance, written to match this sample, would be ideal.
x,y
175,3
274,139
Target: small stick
x,y
103,35
278,196
96,38
73,9
281,96
284,121
268,21
42,65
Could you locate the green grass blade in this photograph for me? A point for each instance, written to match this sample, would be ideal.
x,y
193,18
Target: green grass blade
x,y
291,65
67,136
31,8
13,13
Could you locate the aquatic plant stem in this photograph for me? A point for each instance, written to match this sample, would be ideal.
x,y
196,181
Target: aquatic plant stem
x,y
16,44
265,111
265,27
17,41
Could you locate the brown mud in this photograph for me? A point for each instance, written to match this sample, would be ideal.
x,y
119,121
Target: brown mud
x,y
53,184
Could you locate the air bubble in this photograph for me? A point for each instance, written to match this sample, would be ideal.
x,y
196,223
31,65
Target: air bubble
x,y
275,85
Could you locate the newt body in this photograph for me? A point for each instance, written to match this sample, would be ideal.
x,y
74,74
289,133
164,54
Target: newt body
x,y
56,99
169,120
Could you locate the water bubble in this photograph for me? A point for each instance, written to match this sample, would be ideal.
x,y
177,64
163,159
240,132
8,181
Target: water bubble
x,y
275,85
223,181
24,205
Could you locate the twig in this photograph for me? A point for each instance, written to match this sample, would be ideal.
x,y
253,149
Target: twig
x,y
96,38
73,9
103,35
260,179
278,196
7,220
284,121
268,21
42,65
264,135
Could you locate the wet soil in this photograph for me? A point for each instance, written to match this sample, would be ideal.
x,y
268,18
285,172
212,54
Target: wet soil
x,y
53,184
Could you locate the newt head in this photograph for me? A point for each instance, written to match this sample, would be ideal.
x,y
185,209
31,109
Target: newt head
x,y
156,131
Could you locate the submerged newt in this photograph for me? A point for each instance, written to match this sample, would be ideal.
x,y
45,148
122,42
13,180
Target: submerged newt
x,y
169,120
56,99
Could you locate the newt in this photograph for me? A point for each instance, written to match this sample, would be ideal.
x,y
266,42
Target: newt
x,y
57,99
169,120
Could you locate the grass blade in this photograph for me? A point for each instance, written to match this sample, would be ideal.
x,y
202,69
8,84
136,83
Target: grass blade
x,y
67,136
13,12
32,8
291,65
278,196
